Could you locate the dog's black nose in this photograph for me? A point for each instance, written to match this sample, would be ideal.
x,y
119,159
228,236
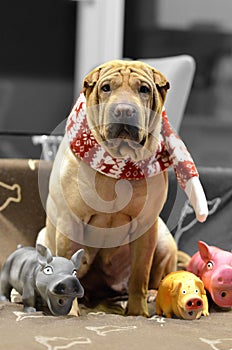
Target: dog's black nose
x,y
124,110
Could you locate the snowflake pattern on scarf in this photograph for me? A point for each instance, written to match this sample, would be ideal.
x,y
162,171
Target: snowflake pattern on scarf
x,y
171,151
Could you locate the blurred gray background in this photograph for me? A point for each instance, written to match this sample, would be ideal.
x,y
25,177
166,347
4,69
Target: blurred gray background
x,y
47,46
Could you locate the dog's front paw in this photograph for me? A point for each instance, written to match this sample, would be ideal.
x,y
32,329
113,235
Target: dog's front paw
x,y
151,295
29,309
75,311
137,307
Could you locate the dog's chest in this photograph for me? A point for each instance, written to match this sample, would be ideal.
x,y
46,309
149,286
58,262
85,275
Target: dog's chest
x,y
119,196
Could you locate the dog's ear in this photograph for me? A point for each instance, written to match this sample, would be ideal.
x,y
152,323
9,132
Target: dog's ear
x,y
90,81
161,83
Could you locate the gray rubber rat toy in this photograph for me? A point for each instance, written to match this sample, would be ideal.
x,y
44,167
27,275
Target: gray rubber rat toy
x,y
42,279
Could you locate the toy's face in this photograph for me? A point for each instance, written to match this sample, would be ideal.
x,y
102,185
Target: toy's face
x,y
218,281
217,274
58,285
189,313
187,299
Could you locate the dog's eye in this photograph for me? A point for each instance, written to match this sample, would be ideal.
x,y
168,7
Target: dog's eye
x,y
144,89
106,88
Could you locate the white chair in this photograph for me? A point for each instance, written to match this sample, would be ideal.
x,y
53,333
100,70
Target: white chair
x,y
179,70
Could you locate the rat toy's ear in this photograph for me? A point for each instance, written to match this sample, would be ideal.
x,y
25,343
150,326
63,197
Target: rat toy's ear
x,y
77,257
44,254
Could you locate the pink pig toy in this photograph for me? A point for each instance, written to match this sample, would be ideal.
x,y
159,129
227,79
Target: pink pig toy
x,y
214,267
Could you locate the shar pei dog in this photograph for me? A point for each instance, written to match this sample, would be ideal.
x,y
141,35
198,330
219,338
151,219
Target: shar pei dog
x,y
109,184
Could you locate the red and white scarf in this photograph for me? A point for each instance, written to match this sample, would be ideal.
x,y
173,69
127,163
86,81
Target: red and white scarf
x,y
171,151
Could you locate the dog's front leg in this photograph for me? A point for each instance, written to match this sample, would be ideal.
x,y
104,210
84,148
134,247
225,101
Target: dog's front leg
x,y
142,251
64,246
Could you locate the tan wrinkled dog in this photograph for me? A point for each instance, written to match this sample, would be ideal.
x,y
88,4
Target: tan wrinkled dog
x,y
139,260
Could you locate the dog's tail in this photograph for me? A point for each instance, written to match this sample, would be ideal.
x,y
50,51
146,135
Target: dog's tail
x,y
183,260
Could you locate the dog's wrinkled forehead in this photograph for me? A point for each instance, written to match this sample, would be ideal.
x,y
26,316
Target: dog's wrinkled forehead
x,y
131,76
126,69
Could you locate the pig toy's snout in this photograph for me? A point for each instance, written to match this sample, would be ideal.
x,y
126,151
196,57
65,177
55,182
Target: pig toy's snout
x,y
194,304
68,286
223,294
220,287
61,294
225,277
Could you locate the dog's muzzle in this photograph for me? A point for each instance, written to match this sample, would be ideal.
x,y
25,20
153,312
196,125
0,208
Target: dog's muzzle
x,y
124,123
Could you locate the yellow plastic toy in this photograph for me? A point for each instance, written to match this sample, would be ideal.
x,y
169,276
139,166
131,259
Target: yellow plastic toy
x,y
182,294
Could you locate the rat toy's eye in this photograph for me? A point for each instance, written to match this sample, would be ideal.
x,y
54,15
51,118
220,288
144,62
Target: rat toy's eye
x,y
144,89
183,291
74,273
196,291
48,270
106,88
209,265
